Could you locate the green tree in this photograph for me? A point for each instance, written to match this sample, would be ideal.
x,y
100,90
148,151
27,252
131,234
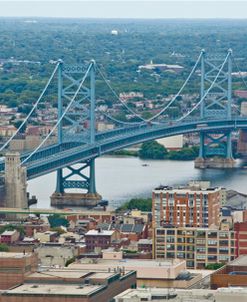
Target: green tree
x,y
4,247
152,150
142,204
214,266
17,125
57,221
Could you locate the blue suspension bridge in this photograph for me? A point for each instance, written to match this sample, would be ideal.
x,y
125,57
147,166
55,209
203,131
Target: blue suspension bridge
x,y
79,144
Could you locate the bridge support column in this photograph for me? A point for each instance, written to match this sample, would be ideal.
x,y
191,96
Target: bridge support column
x,y
92,183
88,197
215,151
15,182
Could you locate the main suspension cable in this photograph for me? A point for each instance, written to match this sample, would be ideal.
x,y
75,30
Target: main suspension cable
x,y
62,116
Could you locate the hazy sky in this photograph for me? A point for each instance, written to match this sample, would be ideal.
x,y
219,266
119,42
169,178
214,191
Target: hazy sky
x,y
125,9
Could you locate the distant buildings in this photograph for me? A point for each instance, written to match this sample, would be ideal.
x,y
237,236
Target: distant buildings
x,y
241,93
163,67
172,143
125,96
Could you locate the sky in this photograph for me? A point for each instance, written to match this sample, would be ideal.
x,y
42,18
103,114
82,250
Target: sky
x,y
124,9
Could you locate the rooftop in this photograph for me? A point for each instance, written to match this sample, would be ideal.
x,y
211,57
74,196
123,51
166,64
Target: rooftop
x,y
191,187
14,255
8,233
132,263
62,273
72,273
99,233
54,289
240,261
179,295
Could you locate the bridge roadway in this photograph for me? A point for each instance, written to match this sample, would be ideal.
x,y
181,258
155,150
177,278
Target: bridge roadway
x,y
51,158
64,212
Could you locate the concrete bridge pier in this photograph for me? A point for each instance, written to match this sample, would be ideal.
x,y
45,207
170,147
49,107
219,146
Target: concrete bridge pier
x,y
15,182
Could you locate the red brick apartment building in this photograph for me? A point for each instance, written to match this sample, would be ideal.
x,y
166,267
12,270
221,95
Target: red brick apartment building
x,y
240,229
196,205
100,238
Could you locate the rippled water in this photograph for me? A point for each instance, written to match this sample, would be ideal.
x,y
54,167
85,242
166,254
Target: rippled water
x,y
121,178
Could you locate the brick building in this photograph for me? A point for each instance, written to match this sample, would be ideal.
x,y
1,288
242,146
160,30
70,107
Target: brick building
x,y
14,267
198,246
240,229
9,237
196,205
232,274
101,239
63,285
145,245
31,227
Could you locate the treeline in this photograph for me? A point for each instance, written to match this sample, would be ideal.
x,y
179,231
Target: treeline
x,y
142,204
138,42
154,150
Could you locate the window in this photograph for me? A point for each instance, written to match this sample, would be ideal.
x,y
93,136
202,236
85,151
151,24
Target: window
x,y
212,242
200,241
170,239
200,257
170,232
201,249
212,234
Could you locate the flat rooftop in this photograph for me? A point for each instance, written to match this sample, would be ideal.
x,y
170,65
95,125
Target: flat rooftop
x,y
131,262
73,274
241,261
99,233
80,273
14,255
161,294
54,289
185,190
178,295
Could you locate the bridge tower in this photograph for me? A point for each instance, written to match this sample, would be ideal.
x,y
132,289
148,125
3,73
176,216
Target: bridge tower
x,y
215,147
78,128
15,182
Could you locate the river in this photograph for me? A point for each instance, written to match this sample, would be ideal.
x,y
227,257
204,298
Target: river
x,y
121,178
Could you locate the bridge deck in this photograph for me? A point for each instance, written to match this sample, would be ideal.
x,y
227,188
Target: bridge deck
x,y
49,160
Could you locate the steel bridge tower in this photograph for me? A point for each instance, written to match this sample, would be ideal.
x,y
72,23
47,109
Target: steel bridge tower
x,y
215,147
78,128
